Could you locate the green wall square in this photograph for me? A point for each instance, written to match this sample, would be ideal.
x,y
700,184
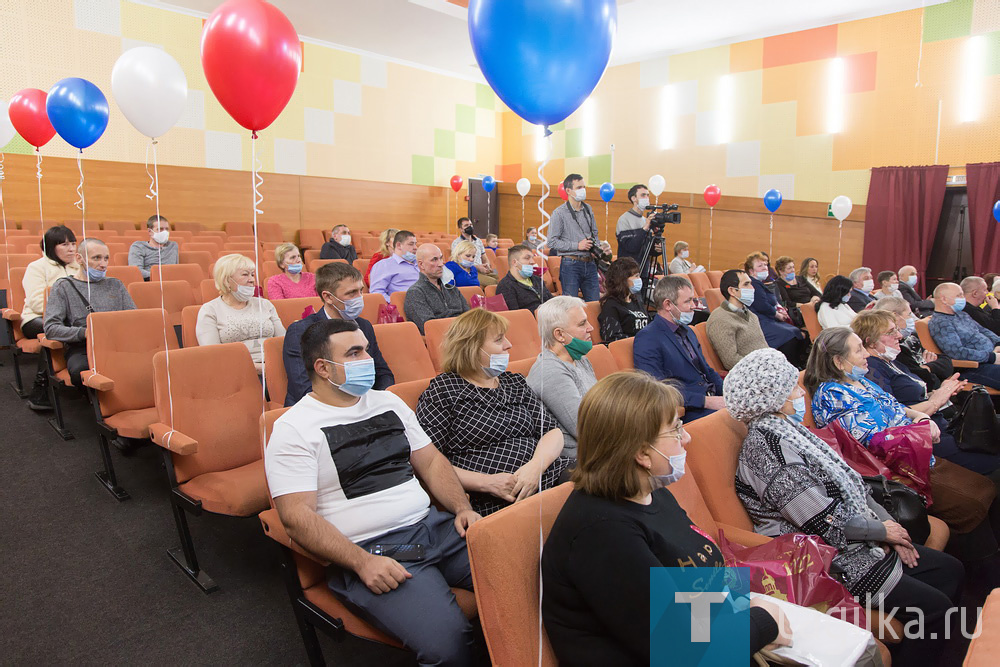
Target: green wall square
x,y
992,53
574,142
18,145
599,170
423,170
484,97
948,20
465,118
444,144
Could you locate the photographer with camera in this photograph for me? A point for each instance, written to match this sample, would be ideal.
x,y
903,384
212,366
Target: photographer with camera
x,y
632,230
573,234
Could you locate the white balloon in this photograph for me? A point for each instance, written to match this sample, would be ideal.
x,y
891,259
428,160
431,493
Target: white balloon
x,y
7,131
841,207
523,186
150,89
656,185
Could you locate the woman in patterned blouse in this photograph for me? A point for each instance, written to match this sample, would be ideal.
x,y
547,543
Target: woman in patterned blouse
x,y
503,443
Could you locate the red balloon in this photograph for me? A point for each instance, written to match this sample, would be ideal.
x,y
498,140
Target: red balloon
x,y
456,182
27,115
712,195
562,192
252,57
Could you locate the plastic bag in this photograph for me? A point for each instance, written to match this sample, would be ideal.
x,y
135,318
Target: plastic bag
x,y
494,304
388,313
907,450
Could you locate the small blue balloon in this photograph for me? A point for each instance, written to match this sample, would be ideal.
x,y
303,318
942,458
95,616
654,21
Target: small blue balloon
x,y
996,211
607,192
489,183
542,57
78,110
772,200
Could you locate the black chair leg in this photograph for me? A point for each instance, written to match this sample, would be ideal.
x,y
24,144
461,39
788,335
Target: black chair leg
x,y
56,422
18,383
107,476
184,555
304,611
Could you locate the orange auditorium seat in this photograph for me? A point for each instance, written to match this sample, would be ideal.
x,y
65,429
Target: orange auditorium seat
x,y
192,274
290,310
404,351
522,333
621,350
176,295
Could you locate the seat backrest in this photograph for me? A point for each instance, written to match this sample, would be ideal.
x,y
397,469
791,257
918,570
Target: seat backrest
x,y
522,334
715,278
25,245
554,263
309,255
689,496
290,310
271,268
216,399
277,380
491,290
469,291
502,266
15,291
193,274
593,310
621,350
120,346
398,299
238,228
372,303
208,290
811,320
403,349
701,331
189,322
713,454
924,334
269,232
713,298
366,246
807,421
434,331
701,283
602,360
410,391
313,264
504,553
361,264
120,226
522,366
312,238
200,254
176,295
194,227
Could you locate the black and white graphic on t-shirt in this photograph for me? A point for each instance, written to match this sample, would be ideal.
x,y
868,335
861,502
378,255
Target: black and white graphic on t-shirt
x,y
370,455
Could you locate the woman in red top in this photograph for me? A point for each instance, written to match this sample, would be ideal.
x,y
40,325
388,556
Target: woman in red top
x,y
384,250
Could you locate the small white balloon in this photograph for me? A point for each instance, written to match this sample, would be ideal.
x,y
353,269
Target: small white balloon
x,y
523,186
7,131
150,89
656,185
841,207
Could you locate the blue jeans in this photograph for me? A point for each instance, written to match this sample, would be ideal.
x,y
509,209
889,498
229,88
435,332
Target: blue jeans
x,y
576,276
986,374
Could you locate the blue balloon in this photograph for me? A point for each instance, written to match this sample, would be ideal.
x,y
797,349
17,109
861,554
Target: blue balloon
x,y
996,211
542,57
78,110
607,192
772,200
489,183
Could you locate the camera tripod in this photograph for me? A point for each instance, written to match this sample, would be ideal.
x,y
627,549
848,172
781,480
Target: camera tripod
x,y
650,265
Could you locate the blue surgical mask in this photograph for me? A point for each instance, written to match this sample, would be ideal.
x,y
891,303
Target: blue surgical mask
x,y
294,268
857,372
466,263
527,270
912,280
747,296
677,462
410,257
635,285
94,275
790,277
957,306
761,275
685,318
800,409
352,307
911,326
359,376
498,364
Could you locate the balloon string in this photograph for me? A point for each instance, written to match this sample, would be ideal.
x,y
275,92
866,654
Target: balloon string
x,y
545,191
257,180
770,240
81,204
711,211
154,189
3,213
606,237
38,175
523,236
840,245
153,185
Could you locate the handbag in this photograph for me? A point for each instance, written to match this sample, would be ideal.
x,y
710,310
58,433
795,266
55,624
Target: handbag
x,y
975,427
904,505
388,313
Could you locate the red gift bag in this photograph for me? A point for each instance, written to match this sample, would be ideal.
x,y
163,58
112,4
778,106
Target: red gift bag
x,y
494,304
388,314
793,567
853,452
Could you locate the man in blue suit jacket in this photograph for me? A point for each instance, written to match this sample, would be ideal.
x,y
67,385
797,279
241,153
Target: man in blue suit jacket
x,y
339,286
667,349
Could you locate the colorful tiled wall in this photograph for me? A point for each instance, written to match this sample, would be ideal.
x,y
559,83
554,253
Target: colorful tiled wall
x,y
351,116
898,70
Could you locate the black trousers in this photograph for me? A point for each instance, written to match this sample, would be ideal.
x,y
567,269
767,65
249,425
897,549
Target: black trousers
x,y
76,362
933,587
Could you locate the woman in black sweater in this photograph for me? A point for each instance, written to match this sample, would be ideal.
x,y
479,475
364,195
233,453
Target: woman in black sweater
x,y
622,310
618,523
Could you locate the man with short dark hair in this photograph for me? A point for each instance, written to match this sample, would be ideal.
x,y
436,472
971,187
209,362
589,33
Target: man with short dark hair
x,y
432,297
632,230
399,270
343,466
339,285
572,233
667,348
466,232
339,246
733,329
159,249
521,288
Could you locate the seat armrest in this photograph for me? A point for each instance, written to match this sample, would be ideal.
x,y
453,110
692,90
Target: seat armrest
x,y
172,440
743,537
48,343
11,315
97,381
962,363
273,528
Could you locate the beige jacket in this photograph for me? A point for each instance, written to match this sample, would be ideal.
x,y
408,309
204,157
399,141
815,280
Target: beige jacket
x,y
39,276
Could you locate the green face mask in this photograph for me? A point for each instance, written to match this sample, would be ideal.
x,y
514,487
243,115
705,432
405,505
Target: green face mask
x,y
578,349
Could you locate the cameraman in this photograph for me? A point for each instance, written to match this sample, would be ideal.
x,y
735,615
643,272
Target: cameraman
x,y
572,231
632,230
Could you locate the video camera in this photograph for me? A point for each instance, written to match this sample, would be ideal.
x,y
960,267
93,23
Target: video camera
x,y
664,214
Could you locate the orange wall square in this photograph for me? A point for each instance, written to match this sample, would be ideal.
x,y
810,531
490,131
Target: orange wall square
x,y
860,71
800,47
746,56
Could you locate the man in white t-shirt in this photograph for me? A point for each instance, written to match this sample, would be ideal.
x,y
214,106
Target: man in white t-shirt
x,y
340,465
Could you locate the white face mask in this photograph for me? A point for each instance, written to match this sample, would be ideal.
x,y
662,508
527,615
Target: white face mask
x,y
685,254
243,292
893,287
580,194
162,237
868,285
890,353
345,239
643,202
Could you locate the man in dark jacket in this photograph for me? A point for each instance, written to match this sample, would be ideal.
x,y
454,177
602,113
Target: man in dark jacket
x,y
521,288
979,308
907,282
339,286
339,246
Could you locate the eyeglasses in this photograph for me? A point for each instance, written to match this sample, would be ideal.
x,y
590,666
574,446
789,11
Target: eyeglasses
x,y
678,433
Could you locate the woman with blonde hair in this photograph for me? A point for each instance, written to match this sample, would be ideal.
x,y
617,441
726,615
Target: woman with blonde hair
x,y
502,442
384,250
292,282
236,315
463,264
620,521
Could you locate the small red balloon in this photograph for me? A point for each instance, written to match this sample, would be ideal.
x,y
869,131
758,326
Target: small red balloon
x,y
252,57
712,195
28,116
562,192
456,182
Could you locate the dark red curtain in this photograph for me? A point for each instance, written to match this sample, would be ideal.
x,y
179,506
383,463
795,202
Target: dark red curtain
x,y
984,191
901,217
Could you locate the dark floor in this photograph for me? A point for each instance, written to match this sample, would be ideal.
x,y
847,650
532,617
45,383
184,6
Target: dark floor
x,y
86,579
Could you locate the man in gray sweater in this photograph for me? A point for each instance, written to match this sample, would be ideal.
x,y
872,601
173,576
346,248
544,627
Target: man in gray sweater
x,y
572,231
159,249
73,298
432,297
